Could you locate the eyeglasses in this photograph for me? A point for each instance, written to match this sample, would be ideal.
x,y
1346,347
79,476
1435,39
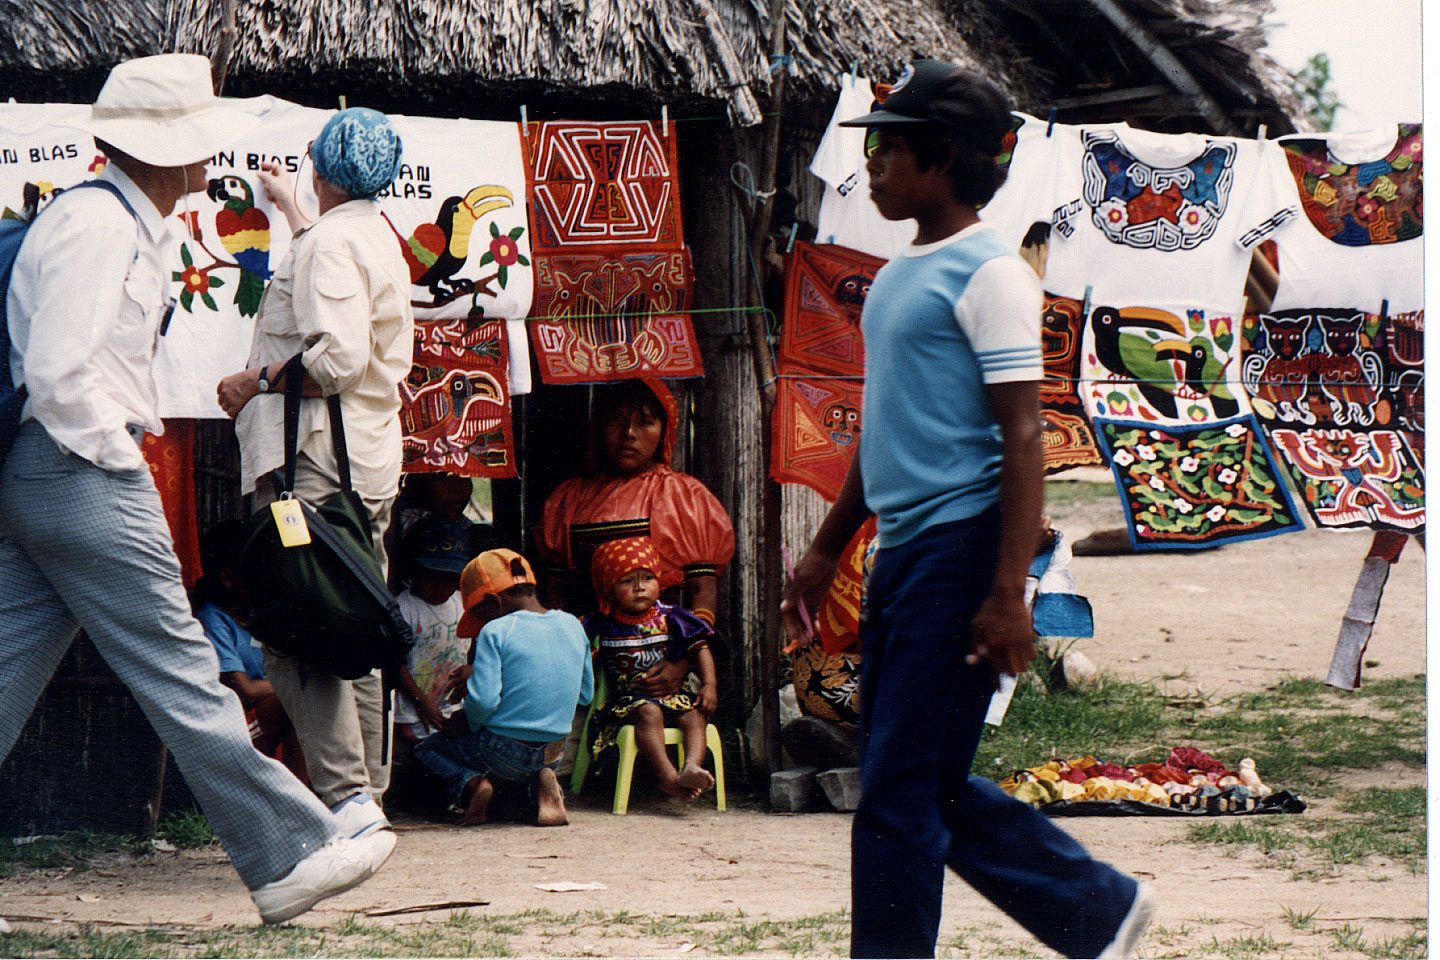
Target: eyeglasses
x,y
872,141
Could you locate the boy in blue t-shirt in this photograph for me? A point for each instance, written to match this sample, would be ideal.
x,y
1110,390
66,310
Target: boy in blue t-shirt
x,y
950,461
531,670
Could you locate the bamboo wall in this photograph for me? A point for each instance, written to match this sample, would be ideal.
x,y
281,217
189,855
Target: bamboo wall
x,y
728,423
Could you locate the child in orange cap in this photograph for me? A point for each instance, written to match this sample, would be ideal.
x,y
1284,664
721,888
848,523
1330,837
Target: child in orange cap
x,y
633,632
531,669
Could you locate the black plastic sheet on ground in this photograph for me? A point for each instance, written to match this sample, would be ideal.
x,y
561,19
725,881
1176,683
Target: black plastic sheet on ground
x,y
1282,802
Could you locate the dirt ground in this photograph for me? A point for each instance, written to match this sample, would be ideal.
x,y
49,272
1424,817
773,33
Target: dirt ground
x,y
1220,621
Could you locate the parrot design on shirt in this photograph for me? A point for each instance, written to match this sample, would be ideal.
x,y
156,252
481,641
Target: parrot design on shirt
x,y
244,232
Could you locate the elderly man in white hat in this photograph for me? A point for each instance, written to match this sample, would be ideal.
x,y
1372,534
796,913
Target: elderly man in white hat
x,y
83,540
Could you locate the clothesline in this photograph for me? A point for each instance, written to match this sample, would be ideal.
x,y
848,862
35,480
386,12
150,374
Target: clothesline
x,y
1352,384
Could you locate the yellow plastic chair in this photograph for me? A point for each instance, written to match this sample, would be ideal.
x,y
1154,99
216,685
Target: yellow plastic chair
x,y
625,744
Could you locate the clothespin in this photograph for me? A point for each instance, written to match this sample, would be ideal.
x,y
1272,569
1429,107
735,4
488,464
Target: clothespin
x,y
665,119
524,121
1085,306
342,101
1260,133
1050,126
1384,309
854,70
790,244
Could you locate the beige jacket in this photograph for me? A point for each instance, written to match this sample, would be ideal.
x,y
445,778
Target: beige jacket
x,y
342,295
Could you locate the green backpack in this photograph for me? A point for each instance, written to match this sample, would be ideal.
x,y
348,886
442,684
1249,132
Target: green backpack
x,y
324,603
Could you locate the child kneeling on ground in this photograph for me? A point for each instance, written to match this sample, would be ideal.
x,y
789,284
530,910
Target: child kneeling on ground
x,y
633,632
531,669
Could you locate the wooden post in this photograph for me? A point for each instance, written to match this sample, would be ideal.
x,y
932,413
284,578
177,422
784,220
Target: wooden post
x,y
224,47
770,561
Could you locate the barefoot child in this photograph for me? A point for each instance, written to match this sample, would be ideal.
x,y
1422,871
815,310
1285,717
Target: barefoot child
x,y
633,632
531,669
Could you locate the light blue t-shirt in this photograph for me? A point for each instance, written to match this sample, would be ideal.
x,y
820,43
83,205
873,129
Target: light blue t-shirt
x,y
942,321
238,654
531,671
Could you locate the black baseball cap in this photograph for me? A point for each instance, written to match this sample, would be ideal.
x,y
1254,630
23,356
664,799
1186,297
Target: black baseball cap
x,y
439,544
912,96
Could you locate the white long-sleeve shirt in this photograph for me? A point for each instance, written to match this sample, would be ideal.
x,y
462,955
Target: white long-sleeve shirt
x,y
342,297
84,307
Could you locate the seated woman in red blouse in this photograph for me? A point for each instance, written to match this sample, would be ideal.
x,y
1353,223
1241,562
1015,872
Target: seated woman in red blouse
x,y
627,489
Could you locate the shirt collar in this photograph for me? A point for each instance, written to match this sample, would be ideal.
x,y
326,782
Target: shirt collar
x,y
144,207
352,208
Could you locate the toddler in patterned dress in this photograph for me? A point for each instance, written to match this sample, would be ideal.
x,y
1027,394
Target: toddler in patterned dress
x,y
633,632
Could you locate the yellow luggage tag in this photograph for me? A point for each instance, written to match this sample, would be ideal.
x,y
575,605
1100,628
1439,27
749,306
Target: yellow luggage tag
x,y
290,522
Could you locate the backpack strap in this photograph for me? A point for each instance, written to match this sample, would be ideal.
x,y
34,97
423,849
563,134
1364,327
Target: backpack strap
x,y
294,381
114,191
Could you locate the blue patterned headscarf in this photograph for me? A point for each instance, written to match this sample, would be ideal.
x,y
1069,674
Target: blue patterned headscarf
x,y
358,151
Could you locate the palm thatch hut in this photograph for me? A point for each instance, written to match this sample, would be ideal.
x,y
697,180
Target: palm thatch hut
x,y
1166,64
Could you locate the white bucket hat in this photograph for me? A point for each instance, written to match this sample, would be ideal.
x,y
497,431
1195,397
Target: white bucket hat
x,y
163,111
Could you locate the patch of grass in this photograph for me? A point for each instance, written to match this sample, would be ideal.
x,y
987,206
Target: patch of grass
x,y
1252,945
1400,802
1412,946
73,851
1268,837
187,829
1074,493
1298,920
1349,938
1039,724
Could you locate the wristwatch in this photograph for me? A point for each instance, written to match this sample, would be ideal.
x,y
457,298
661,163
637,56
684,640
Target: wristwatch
x,y
264,380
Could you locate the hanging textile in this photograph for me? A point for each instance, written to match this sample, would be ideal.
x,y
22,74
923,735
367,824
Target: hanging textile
x,y
457,208
1066,437
1184,487
601,317
1337,366
1149,218
825,288
815,432
614,279
171,458
455,408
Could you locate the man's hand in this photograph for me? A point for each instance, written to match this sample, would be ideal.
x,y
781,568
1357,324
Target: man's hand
x,y
1001,632
237,390
663,679
809,585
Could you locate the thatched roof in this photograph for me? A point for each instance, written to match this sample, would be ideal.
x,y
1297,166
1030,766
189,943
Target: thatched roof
x,y
1087,67
464,56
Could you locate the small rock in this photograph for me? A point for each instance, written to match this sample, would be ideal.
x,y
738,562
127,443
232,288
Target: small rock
x,y
792,791
842,787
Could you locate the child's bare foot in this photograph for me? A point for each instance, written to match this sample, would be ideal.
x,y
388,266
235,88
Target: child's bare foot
x,y
480,791
695,777
550,800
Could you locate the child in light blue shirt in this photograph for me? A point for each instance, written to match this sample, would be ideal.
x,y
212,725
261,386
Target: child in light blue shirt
x,y
531,670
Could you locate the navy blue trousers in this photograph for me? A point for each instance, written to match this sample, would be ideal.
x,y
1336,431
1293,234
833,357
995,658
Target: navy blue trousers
x,y
921,714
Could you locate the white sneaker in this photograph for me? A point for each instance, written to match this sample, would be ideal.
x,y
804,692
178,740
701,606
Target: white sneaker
x,y
1131,928
342,863
359,815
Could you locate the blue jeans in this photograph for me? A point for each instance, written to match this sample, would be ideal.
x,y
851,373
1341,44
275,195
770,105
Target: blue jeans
x,y
922,710
458,760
